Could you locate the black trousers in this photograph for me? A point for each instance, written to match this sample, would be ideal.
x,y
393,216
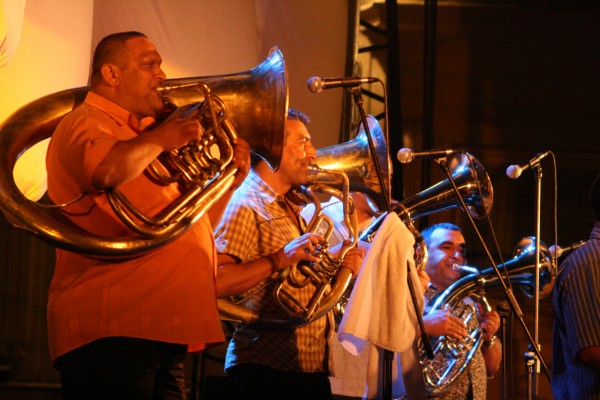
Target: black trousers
x,y
253,381
123,368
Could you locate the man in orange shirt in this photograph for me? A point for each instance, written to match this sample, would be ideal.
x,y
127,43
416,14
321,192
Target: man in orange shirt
x,y
120,329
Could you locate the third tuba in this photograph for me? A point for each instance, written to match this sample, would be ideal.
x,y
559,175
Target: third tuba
x,y
465,298
474,187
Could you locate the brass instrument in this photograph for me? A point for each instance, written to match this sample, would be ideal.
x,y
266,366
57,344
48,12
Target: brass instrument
x,y
463,299
327,276
251,105
526,281
353,158
475,188
337,170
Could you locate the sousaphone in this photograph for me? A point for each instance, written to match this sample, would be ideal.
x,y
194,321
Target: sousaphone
x,y
251,105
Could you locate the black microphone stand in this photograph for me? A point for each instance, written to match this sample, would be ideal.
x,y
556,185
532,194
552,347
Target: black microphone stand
x,y
510,297
503,312
388,356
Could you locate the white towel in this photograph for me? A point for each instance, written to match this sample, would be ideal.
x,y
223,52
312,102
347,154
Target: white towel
x,y
380,311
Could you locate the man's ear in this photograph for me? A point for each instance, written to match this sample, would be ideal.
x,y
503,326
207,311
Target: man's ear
x,y
110,74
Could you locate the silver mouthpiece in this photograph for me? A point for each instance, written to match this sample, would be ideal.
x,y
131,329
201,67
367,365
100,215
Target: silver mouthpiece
x,y
465,269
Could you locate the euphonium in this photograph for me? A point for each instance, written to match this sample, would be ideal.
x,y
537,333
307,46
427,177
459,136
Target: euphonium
x,y
465,299
251,105
337,171
327,276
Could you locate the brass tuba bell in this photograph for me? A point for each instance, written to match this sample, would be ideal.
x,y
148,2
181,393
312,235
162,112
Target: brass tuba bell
x,y
353,158
251,105
474,188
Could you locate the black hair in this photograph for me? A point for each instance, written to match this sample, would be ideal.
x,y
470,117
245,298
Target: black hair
x,y
427,232
298,116
108,51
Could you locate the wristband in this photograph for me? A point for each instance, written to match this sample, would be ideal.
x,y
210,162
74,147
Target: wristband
x,y
490,343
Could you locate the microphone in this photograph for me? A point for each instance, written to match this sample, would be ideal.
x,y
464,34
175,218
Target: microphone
x,y
406,155
317,85
515,171
557,251
466,269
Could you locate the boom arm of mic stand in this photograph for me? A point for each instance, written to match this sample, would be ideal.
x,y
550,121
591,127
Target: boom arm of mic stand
x,y
514,305
363,117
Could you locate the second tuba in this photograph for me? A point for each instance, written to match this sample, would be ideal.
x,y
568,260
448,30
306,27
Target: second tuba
x,y
251,105
337,171
465,298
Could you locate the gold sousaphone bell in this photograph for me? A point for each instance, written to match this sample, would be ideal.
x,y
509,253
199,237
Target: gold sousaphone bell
x,y
251,105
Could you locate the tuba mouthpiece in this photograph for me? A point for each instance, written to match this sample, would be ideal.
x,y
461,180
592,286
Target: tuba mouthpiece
x,y
167,87
465,269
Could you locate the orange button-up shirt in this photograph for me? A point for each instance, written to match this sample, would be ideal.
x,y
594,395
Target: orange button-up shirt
x,y
167,294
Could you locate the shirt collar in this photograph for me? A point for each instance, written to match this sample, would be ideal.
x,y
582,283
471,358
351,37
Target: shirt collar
x,y
119,114
263,190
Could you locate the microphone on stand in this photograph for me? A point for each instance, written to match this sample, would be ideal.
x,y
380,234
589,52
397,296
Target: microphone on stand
x,y
515,171
317,85
406,155
558,251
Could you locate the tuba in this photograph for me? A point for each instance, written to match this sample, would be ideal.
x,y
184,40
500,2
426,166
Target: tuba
x,y
464,299
251,105
337,171
474,187
526,281
328,277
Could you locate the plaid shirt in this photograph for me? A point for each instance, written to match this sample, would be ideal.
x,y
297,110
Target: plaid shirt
x,y
256,223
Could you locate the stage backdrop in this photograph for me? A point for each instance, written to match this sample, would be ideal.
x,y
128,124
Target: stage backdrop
x,y
215,37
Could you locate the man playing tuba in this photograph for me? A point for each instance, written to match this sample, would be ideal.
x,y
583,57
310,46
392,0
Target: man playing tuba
x,y
120,329
262,233
446,247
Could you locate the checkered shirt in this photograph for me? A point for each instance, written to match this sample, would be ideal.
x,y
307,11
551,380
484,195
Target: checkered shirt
x,y
256,224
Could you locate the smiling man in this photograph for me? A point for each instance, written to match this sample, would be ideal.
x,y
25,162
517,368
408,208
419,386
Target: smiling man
x,y
446,247
120,329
